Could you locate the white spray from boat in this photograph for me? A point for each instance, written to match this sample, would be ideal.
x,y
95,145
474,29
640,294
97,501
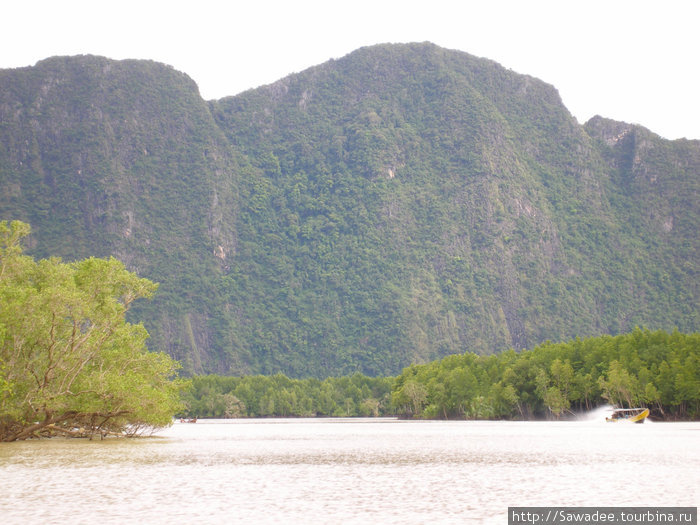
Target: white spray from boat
x,y
597,414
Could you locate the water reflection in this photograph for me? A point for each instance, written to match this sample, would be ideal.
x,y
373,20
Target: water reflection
x,y
322,471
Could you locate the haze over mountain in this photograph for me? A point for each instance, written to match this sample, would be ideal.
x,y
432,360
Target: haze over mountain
x,y
396,205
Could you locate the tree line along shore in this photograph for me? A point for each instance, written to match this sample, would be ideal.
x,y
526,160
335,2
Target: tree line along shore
x,y
656,369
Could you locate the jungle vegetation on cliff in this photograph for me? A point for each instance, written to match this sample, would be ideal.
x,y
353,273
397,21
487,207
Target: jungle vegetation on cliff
x,y
395,206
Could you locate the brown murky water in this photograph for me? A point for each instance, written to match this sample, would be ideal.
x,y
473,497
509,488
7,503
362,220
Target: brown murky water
x,y
348,471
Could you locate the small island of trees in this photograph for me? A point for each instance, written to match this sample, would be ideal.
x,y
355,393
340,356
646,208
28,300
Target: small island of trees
x,y
70,364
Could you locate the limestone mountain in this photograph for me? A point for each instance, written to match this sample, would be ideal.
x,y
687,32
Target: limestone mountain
x,y
393,206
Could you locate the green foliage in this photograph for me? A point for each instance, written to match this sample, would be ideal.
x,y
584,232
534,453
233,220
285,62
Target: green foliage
x,y
279,396
395,206
69,363
657,369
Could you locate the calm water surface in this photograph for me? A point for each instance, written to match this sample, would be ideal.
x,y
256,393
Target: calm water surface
x,y
348,471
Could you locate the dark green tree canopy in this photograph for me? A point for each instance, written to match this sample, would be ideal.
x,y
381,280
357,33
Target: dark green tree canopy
x,y
394,206
659,370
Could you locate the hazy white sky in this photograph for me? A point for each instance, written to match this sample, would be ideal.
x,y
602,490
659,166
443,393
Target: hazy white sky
x,y
631,60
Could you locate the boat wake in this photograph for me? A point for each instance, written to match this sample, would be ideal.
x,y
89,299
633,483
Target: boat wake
x,y
597,414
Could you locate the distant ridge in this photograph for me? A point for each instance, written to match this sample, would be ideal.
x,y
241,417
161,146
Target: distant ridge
x,y
393,206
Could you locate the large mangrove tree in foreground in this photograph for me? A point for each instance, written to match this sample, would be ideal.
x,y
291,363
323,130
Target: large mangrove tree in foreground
x,y
70,364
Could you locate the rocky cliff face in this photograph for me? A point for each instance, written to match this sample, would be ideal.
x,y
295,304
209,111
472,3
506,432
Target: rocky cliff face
x,y
119,158
658,190
393,206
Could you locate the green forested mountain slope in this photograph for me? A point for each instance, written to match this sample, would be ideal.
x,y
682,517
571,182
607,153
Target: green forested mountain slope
x,y
396,205
123,158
